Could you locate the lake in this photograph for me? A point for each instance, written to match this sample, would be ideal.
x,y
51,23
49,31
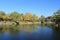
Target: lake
x,y
29,32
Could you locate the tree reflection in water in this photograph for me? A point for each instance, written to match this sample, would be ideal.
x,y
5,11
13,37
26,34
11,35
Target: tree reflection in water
x,y
30,31
18,28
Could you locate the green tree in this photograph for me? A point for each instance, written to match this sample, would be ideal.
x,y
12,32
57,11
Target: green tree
x,y
21,17
42,18
2,14
15,16
49,18
56,16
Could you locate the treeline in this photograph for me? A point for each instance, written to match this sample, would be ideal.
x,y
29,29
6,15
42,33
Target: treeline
x,y
15,16
27,17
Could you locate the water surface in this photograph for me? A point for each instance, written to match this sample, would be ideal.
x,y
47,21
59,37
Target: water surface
x,y
29,32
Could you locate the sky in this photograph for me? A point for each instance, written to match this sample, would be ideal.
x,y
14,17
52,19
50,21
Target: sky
x,y
38,7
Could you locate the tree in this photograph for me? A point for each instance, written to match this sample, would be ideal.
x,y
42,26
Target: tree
x,y
1,14
56,16
53,16
34,17
42,18
6,17
58,12
49,18
15,16
21,17
27,16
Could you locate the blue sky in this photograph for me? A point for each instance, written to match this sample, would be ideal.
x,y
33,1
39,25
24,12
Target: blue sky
x,y
38,7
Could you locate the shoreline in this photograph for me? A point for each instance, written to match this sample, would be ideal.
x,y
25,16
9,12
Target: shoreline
x,y
19,23
11,23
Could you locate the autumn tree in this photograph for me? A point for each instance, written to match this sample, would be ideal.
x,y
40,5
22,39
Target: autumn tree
x,y
6,17
27,16
34,17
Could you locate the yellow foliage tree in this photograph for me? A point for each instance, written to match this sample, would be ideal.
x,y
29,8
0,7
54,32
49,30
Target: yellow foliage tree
x,y
28,16
34,17
6,17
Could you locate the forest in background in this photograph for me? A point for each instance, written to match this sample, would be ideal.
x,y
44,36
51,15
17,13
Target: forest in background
x,y
28,17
